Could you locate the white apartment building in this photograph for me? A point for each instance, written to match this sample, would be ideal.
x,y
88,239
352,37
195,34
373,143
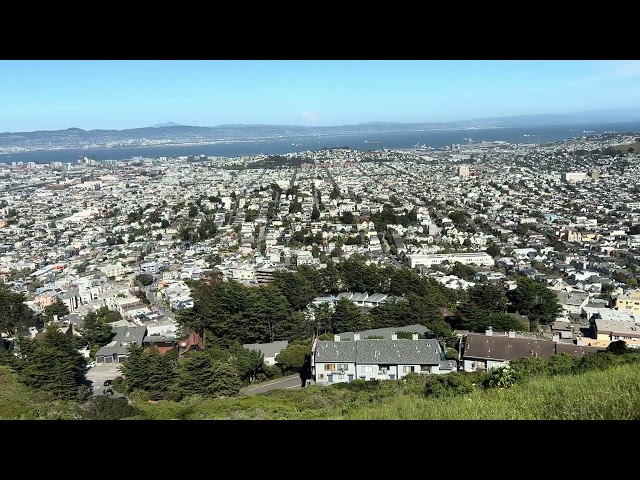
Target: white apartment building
x,y
481,259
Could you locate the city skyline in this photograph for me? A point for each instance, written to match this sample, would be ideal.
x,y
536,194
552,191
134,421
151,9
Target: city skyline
x,y
105,94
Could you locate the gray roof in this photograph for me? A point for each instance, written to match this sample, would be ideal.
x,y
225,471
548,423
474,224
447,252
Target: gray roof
x,y
376,297
109,351
359,297
346,295
268,349
412,352
336,351
126,335
416,352
385,332
158,339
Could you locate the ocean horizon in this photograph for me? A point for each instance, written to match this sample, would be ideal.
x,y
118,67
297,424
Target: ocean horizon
x,y
278,146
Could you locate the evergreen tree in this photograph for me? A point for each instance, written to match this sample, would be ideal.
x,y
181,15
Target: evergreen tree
x,y
346,317
134,370
57,310
95,331
52,364
14,314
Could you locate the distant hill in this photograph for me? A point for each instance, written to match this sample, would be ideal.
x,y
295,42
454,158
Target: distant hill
x,y
168,124
171,133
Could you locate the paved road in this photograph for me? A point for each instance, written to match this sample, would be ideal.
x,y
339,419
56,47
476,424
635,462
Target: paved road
x,y
101,372
152,295
291,382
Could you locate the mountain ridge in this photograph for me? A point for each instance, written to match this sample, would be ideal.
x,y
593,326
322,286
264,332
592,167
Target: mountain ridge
x,y
171,133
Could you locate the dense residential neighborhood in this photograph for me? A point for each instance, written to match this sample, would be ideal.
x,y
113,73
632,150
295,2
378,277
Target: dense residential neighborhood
x,y
333,266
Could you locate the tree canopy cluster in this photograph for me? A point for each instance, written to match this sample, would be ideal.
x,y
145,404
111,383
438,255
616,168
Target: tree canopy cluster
x,y
213,372
229,311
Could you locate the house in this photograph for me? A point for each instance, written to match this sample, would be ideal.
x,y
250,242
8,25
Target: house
x,y
338,362
572,302
118,349
191,344
269,350
629,302
162,343
487,351
385,332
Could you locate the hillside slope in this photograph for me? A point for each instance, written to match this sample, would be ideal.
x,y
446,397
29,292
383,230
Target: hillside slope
x,y
18,402
604,394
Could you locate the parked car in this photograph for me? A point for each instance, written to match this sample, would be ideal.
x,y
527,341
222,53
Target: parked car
x,y
108,383
108,392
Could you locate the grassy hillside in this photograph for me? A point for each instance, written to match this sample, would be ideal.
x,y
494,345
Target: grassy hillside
x,y
625,148
612,393
18,402
602,394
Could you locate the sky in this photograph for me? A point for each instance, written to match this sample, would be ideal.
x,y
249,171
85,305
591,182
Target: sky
x,y
114,94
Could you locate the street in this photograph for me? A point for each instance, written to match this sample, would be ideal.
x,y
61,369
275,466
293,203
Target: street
x,y
291,382
153,299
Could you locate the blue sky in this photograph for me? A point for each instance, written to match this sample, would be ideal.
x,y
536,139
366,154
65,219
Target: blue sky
x,y
50,95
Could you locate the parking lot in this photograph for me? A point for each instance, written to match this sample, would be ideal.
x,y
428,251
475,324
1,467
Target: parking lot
x,y
101,372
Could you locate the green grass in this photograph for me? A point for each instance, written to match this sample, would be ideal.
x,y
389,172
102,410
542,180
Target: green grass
x,y
612,393
605,394
18,402
625,148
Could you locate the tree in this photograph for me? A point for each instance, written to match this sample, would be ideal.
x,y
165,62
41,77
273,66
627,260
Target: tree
x,y
52,364
95,330
347,218
158,237
618,347
347,317
248,363
134,369
294,357
14,314
315,213
493,250
165,223
144,279
58,309
109,316
535,300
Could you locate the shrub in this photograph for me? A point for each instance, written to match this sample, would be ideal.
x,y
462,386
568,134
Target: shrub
x,y
453,384
563,364
107,408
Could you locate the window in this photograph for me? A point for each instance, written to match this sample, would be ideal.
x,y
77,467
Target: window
x,y
329,367
343,366
321,376
408,369
340,377
366,369
425,368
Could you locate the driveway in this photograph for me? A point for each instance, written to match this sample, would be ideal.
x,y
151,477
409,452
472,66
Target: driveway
x,y
101,372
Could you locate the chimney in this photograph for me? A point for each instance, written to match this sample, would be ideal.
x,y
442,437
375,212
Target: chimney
x,y
556,337
488,332
356,337
512,334
336,338
414,336
394,336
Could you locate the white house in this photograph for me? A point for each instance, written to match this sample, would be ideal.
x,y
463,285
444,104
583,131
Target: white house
x,y
345,361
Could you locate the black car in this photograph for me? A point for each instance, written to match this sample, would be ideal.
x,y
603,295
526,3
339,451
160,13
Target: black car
x,y
108,392
108,383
